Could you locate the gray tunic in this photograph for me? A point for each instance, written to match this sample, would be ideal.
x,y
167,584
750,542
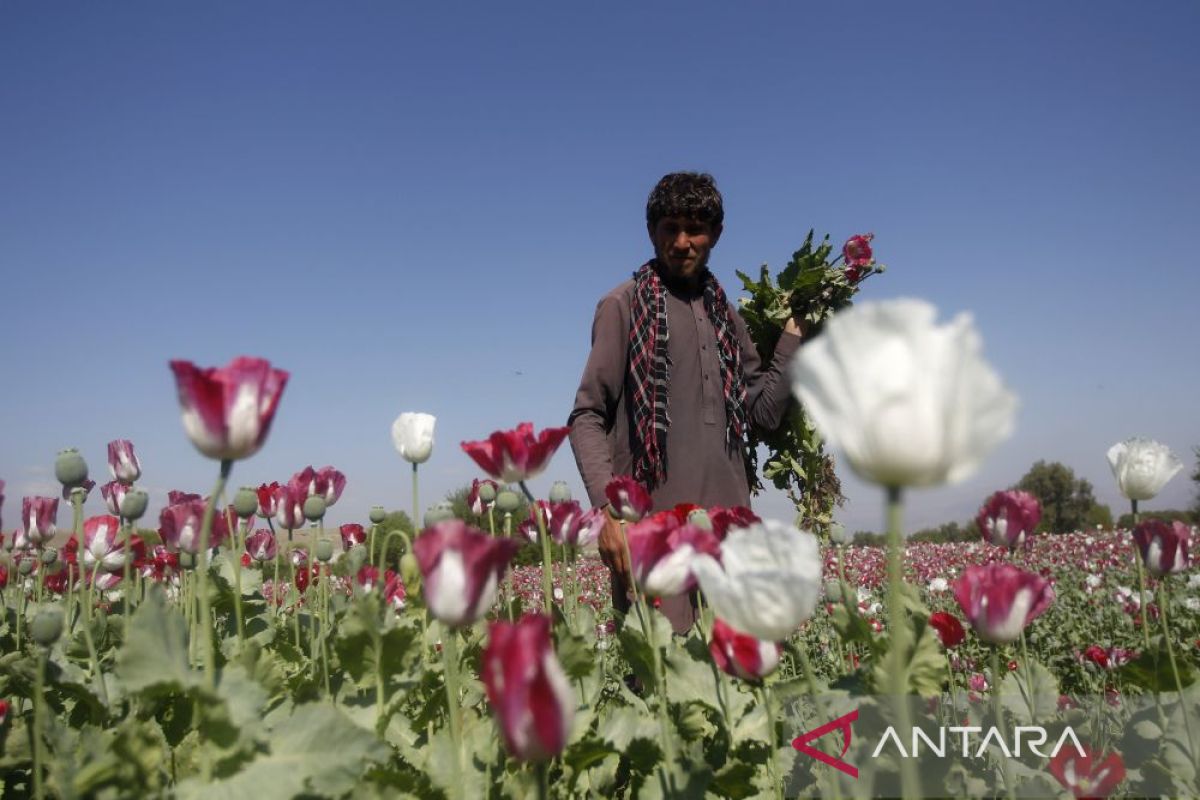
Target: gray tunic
x,y
700,468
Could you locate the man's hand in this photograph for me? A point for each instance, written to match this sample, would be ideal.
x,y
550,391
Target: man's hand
x,y
612,548
796,326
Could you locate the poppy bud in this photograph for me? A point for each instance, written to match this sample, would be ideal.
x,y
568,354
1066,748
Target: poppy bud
x,y
487,492
378,514
70,468
560,492
25,567
133,504
49,556
245,502
507,500
47,626
314,508
323,549
410,573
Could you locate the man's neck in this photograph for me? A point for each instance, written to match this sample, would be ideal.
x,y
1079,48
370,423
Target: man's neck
x,y
690,286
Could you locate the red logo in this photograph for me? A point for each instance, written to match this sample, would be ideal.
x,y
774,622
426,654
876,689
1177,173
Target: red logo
x,y
842,723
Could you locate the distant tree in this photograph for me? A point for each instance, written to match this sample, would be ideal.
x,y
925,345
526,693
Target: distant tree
x,y
1100,516
526,555
1066,500
949,532
868,539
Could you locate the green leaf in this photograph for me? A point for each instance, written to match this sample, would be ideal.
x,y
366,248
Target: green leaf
x,y
154,657
1152,670
315,750
1032,684
637,652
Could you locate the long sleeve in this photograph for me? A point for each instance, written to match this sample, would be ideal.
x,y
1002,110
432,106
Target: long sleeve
x,y
598,397
768,390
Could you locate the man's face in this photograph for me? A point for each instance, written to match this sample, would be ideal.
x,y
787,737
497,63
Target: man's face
x,y
682,245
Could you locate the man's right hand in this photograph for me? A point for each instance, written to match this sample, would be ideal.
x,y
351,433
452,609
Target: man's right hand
x,y
612,548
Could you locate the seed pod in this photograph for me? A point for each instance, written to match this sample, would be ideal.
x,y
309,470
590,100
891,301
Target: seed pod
x,y
487,493
47,626
245,502
314,508
323,550
133,504
507,501
378,514
70,468
560,492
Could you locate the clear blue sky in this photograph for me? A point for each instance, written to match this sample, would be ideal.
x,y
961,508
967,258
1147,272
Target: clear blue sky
x,y
416,206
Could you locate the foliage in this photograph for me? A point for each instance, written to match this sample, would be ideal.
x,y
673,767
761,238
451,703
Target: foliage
x,y
1167,515
1196,480
810,288
1066,500
948,532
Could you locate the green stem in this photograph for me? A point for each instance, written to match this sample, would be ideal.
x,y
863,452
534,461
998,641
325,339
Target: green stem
x,y
127,530
97,675
325,626
1027,669
1164,599
39,701
1000,721
547,554
206,624
1141,573
416,504
453,705
764,695
509,595
898,632
239,547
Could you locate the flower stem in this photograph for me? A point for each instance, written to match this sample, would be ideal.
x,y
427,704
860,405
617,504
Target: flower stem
x,y
547,555
416,505
1164,599
764,695
236,551
1141,573
453,706
898,632
39,701
1027,668
206,623
999,714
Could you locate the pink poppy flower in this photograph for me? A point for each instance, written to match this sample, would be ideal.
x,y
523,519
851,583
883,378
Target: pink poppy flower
x,y
123,462
516,455
662,548
1087,775
179,527
352,534
742,655
39,515
461,569
1009,518
1163,545
227,411
629,499
261,545
527,688
113,493
999,600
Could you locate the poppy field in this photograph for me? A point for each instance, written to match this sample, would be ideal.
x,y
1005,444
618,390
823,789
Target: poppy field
x,y
244,650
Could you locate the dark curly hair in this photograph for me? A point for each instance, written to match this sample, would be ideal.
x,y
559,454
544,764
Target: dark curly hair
x,y
692,195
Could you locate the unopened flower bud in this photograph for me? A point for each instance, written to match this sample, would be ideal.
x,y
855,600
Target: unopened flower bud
x,y
560,492
487,493
47,626
438,513
245,502
699,518
410,573
133,504
49,555
837,533
378,514
186,560
70,468
314,508
26,566
507,501
323,550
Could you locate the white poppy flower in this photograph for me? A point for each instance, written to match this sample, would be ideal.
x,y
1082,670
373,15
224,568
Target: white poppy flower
x,y
767,582
412,433
911,403
1142,467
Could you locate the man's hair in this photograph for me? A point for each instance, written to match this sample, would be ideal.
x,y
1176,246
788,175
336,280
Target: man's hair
x,y
692,195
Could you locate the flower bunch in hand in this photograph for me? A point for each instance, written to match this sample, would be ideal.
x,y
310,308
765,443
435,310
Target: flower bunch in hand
x,y
814,284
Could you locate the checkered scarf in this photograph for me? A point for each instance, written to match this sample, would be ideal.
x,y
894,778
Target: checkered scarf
x,y
650,371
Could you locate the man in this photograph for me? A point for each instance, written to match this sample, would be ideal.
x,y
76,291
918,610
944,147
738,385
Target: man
x,y
673,378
